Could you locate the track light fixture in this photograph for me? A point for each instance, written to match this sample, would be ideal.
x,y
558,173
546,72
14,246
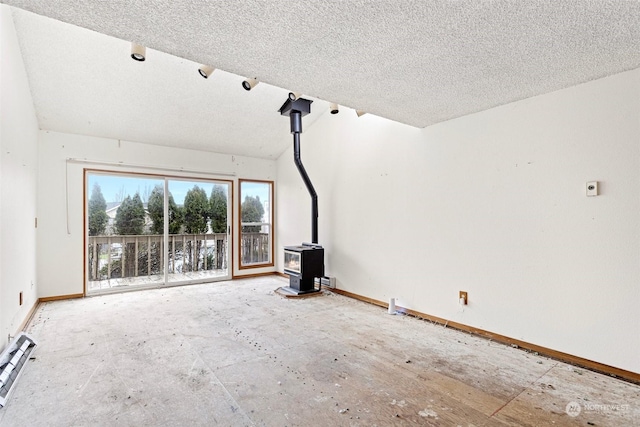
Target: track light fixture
x,y
333,108
360,112
205,71
138,52
250,83
294,95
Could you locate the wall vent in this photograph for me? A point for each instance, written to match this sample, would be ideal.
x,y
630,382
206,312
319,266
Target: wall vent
x,y
12,363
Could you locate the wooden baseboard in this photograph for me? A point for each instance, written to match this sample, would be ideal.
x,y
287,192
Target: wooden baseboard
x,y
61,297
29,316
248,276
601,368
277,273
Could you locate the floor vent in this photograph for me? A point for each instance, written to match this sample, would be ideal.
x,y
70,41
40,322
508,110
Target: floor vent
x,y
12,363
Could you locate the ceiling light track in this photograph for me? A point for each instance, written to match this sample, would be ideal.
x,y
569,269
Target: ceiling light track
x,y
138,52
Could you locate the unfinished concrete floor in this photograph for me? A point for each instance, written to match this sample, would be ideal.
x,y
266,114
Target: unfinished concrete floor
x,y
236,354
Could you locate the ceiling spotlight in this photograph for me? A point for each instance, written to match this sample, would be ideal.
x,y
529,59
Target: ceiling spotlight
x,y
138,52
294,95
333,108
250,83
205,71
360,112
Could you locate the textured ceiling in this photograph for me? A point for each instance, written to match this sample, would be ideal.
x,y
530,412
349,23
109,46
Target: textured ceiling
x,y
418,62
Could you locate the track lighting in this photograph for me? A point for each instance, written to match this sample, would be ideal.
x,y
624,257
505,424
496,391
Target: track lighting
x,y
138,52
333,108
294,95
205,71
250,83
360,112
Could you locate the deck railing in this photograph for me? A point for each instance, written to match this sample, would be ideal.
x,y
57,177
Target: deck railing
x,y
117,256
254,248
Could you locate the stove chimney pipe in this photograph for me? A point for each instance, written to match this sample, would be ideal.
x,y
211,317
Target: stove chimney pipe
x,y
295,110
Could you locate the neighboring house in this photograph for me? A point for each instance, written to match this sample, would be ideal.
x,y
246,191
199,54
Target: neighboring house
x,y
112,209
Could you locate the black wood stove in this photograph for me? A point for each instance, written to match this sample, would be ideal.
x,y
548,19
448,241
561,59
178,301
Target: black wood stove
x,y
302,263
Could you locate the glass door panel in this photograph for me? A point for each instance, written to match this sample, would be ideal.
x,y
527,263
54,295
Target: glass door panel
x,y
198,249
256,217
124,247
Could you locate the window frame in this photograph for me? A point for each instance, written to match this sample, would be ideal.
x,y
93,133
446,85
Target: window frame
x,y
271,225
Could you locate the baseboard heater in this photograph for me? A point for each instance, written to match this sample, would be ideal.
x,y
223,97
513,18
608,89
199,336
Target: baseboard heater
x,y
12,363
325,282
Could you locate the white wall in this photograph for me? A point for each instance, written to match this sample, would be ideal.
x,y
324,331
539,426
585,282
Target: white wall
x,y
60,239
494,204
18,175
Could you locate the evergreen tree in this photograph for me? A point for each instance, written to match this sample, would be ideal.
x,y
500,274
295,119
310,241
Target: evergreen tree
x,y
98,218
218,214
196,220
156,212
130,216
130,220
252,211
196,211
176,216
218,209
155,206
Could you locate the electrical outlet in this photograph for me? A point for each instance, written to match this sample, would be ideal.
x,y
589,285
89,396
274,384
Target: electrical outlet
x,y
463,298
592,188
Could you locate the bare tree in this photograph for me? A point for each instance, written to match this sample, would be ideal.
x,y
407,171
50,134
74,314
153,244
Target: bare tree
x,y
120,195
146,193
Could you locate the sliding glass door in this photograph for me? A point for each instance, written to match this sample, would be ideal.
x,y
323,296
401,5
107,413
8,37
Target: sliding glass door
x,y
146,231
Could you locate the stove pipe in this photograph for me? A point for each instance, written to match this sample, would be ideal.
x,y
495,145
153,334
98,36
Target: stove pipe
x,y
295,110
